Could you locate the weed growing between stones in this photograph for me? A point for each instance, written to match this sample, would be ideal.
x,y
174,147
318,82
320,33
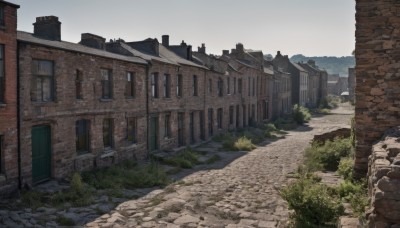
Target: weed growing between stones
x,y
244,144
186,159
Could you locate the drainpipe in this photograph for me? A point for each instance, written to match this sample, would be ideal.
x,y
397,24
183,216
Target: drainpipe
x,y
18,122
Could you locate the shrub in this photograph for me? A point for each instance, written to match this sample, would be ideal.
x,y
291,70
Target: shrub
x,y
345,168
300,114
355,194
185,159
244,143
312,202
327,156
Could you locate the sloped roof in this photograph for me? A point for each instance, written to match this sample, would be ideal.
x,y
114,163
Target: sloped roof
x,y
297,66
68,46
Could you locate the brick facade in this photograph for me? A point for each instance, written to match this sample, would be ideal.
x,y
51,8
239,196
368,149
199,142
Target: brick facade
x,y
377,58
8,99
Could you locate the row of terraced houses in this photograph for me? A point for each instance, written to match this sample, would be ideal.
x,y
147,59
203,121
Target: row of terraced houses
x,y
67,107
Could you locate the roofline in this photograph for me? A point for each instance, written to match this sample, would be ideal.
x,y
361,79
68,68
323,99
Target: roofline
x,y
10,4
66,49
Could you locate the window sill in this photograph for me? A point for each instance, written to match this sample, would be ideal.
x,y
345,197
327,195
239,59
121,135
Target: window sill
x,y
106,99
108,152
129,98
167,98
131,146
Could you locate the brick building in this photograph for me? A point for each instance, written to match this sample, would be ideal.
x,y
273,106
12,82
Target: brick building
x,y
317,83
81,106
351,84
9,160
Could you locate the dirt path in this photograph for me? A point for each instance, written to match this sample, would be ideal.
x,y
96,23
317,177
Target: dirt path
x,y
242,194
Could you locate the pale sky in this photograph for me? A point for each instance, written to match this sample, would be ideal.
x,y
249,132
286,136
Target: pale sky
x,y
309,27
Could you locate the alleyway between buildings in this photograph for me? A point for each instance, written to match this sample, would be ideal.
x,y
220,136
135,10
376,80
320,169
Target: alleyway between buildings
x,y
243,193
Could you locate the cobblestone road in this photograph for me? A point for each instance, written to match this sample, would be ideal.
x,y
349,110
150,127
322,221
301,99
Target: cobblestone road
x,y
244,193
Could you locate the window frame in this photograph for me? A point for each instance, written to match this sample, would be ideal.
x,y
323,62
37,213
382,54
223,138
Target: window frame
x,y
220,87
179,85
167,85
42,77
131,130
131,85
228,86
167,126
220,117
195,86
86,131
154,85
106,83
78,85
110,132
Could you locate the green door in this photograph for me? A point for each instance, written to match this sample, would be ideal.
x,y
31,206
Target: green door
x,y
153,134
41,153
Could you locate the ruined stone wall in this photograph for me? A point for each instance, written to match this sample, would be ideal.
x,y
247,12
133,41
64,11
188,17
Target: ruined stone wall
x,y
8,108
377,83
384,181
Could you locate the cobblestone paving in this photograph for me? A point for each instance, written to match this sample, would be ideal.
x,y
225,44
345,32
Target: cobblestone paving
x,y
242,194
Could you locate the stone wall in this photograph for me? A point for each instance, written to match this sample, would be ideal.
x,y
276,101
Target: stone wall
x,y
384,181
339,133
377,75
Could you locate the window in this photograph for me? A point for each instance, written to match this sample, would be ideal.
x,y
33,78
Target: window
x,y
240,85
82,136
210,86
154,85
179,85
78,85
249,86
191,128
43,81
219,118
131,130
130,85
230,114
234,85
2,16
228,86
167,126
195,85
167,86
210,121
220,86
254,86
1,154
107,133
2,81
106,84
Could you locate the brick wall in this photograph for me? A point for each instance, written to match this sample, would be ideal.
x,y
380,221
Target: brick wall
x,y
377,91
8,109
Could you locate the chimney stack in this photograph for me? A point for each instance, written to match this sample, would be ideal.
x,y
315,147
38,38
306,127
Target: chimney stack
x,y
202,49
47,27
165,40
239,48
225,52
189,52
93,41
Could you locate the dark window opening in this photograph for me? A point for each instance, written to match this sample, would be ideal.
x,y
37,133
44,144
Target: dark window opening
x,y
240,82
108,133
230,114
106,83
191,124
42,81
179,85
228,86
234,85
82,136
78,85
195,86
130,85
220,87
167,126
154,85
2,16
219,118
167,86
210,122
132,130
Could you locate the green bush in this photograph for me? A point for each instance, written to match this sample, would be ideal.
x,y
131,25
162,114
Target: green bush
x,y
300,114
355,193
345,168
327,156
244,143
312,202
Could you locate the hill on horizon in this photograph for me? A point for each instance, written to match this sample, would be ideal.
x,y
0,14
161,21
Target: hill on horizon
x,y
332,64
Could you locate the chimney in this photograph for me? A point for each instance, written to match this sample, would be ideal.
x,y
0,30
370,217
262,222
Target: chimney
x,y
183,43
93,41
202,49
311,62
278,53
225,52
48,28
233,51
189,52
165,40
239,47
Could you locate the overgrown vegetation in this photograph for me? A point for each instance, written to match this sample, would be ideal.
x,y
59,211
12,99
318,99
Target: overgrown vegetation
x,y
127,175
300,114
185,159
316,204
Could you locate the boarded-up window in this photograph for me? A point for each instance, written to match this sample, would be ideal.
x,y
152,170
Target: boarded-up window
x,y
106,84
78,84
82,136
132,130
108,133
130,85
2,81
42,81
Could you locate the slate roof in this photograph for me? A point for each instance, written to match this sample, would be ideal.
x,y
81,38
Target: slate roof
x,y
68,46
297,66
